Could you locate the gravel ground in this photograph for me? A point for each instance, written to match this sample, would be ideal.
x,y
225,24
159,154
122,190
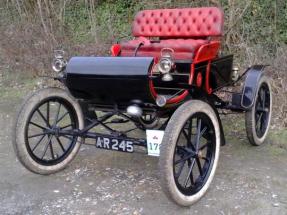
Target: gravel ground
x,y
249,180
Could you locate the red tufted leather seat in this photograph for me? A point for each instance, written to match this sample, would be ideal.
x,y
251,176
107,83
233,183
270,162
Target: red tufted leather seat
x,y
183,30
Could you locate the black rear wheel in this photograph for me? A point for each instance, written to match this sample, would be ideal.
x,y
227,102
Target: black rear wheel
x,y
258,119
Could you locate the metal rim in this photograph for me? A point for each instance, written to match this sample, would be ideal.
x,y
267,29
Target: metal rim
x,y
262,110
194,154
42,139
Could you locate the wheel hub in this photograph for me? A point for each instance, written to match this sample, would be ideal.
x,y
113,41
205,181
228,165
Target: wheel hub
x,y
55,130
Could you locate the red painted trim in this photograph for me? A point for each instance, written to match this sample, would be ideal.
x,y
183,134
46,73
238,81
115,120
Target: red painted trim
x,y
115,50
192,70
207,78
207,52
169,101
199,79
178,98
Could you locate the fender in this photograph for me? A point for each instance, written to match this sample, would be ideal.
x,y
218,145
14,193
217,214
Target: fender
x,y
249,90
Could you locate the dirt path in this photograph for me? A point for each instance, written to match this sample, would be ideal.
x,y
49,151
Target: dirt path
x,y
249,180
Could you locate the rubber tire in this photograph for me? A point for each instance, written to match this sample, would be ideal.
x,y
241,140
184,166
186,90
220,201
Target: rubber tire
x,y
250,117
18,135
172,131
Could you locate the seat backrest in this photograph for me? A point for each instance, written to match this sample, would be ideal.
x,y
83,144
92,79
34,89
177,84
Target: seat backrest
x,y
185,22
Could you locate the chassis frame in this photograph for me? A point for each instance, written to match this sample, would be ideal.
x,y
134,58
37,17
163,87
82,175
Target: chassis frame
x,y
241,102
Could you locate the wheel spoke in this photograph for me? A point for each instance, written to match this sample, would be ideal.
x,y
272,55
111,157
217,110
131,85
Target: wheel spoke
x,y
180,170
197,138
258,122
65,136
204,158
39,126
66,126
263,98
62,117
199,166
205,145
48,113
186,150
60,143
264,120
57,114
265,110
180,150
36,135
189,172
183,159
189,143
46,147
38,143
202,132
191,178
52,150
42,116
186,136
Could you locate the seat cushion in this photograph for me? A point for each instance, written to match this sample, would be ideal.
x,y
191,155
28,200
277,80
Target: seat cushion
x,y
183,22
183,48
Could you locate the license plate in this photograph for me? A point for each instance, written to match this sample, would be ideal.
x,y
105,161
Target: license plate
x,y
115,144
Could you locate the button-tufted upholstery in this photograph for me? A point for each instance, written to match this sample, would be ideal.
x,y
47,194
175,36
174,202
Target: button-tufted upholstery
x,y
183,30
186,22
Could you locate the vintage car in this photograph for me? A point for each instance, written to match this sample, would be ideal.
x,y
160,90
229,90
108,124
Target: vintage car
x,y
165,83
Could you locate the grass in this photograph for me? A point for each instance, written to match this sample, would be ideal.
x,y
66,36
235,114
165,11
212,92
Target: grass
x,y
278,142
15,86
234,129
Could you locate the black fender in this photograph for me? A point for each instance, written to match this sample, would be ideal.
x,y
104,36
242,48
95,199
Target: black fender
x,y
253,75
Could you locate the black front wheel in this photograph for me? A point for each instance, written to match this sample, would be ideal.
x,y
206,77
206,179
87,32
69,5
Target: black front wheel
x,y
189,152
258,118
37,142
